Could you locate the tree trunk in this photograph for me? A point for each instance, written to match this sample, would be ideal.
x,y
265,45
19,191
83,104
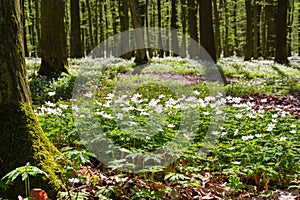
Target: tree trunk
x,y
255,30
21,139
227,24
140,53
37,25
160,42
174,38
192,13
206,28
183,21
270,28
217,29
150,51
53,41
76,48
91,35
124,21
248,50
298,31
281,32
23,18
291,10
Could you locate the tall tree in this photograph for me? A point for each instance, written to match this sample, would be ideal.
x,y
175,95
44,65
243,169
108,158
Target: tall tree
x,y
298,31
206,28
217,28
136,14
183,22
174,21
21,138
159,38
270,22
281,32
53,38
248,49
193,30
124,21
76,47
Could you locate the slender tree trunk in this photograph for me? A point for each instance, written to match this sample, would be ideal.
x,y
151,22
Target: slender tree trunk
x,y
226,26
37,25
150,51
206,28
298,31
167,26
281,32
140,54
21,138
53,41
290,26
270,28
91,35
263,33
76,48
124,21
192,13
174,21
217,28
183,22
23,18
160,42
255,31
84,45
249,32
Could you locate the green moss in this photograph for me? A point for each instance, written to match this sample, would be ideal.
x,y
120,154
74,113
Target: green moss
x,y
22,140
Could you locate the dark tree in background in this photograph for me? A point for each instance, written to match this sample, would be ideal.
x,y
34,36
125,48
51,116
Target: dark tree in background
x,y
21,137
249,33
281,32
193,30
75,40
206,28
136,14
53,38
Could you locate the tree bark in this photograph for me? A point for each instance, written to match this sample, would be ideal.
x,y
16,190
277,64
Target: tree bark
x,y
270,28
281,32
76,47
192,13
174,40
140,53
298,31
248,49
183,21
21,138
53,38
159,38
207,39
217,29
124,21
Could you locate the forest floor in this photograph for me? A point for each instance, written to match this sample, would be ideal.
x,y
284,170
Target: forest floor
x,y
257,148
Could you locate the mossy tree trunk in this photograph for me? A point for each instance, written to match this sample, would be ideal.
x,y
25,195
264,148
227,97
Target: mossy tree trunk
x,y
53,38
21,138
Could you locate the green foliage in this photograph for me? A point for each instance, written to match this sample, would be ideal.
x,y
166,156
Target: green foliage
x,y
24,172
255,147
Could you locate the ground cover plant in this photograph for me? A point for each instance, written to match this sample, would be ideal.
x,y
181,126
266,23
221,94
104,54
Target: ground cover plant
x,y
257,149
